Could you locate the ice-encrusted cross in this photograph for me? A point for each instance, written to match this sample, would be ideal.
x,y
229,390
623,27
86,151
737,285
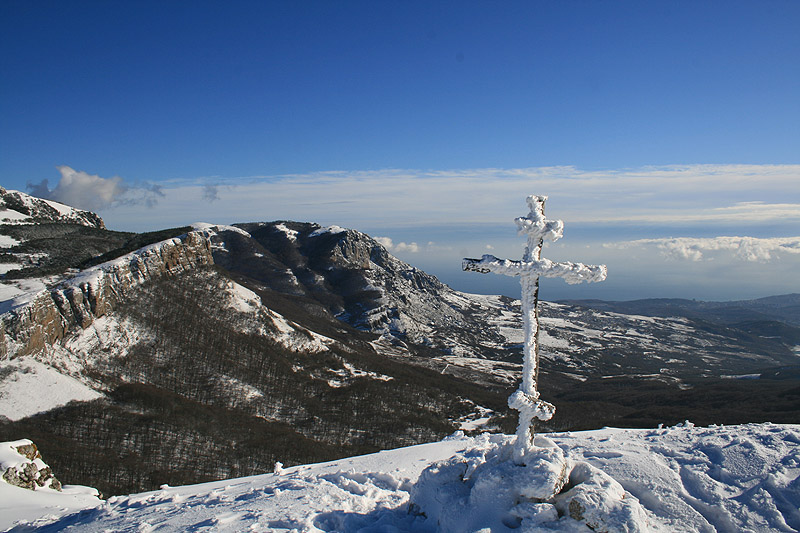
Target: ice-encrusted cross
x,y
537,228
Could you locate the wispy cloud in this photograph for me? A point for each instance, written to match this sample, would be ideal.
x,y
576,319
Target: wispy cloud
x,y
90,191
210,192
720,194
696,249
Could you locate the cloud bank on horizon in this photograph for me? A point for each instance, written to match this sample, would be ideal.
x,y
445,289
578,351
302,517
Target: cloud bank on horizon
x,y
738,196
691,213
743,248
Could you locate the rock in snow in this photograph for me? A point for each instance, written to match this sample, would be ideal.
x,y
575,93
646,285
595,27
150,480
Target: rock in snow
x,y
22,466
29,490
683,478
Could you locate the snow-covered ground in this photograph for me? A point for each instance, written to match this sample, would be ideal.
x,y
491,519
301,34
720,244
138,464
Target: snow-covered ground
x,y
683,478
28,386
20,461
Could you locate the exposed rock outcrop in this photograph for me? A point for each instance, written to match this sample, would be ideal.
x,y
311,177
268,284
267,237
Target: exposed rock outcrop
x,y
32,325
22,466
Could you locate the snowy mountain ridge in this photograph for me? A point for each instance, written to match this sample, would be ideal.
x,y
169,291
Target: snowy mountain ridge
x,y
381,294
20,208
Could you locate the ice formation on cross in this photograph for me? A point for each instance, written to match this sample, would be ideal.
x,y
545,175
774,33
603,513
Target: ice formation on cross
x,y
537,228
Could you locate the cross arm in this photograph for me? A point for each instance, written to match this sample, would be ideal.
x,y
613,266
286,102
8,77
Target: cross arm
x,y
571,272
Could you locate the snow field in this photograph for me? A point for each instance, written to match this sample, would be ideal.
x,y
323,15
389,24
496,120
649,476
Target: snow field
x,y
679,479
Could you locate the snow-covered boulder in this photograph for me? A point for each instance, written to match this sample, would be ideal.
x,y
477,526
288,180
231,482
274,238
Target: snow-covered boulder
x,y
600,502
484,488
22,466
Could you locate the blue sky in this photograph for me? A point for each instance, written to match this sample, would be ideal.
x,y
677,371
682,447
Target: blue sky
x,y
647,123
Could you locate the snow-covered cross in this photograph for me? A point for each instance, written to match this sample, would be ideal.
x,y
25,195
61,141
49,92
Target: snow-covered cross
x,y
537,228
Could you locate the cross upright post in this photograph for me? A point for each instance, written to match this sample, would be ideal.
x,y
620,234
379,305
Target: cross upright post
x,y
537,229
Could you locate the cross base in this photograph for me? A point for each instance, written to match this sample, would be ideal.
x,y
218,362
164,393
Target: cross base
x,y
529,407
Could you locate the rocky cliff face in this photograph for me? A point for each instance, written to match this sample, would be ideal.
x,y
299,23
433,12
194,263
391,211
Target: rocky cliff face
x,y
36,321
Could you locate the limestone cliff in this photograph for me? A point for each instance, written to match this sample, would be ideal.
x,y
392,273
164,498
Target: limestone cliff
x,y
38,320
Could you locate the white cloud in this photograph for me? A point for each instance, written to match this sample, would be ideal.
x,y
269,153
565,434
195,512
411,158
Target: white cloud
x,y
387,243
411,247
87,191
696,249
90,191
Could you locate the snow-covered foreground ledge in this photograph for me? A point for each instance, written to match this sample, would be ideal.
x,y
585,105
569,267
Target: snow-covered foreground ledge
x,y
734,478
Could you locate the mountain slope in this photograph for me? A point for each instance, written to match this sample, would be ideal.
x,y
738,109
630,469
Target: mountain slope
x,y
201,379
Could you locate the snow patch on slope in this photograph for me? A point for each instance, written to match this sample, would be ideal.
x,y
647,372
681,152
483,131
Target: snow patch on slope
x,y
243,299
327,229
285,332
296,337
477,420
290,233
213,229
28,387
7,241
349,372
11,216
19,292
